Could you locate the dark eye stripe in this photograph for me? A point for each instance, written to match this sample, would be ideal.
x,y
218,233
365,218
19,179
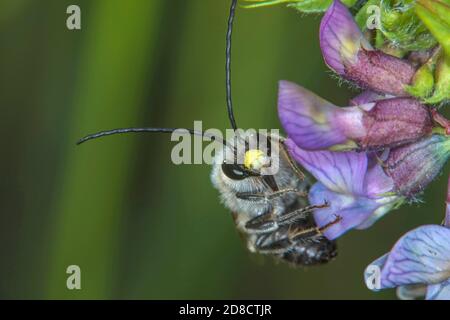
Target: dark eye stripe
x,y
234,171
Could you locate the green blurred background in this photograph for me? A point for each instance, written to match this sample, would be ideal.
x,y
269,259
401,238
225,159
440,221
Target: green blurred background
x,y
137,225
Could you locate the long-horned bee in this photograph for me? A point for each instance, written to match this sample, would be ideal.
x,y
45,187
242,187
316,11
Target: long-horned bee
x,y
262,186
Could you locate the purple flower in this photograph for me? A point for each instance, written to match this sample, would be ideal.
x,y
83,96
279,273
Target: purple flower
x,y
362,187
314,123
349,54
353,184
419,263
366,97
414,166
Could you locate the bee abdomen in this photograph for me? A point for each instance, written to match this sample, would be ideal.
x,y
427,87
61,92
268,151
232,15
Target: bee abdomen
x,y
311,252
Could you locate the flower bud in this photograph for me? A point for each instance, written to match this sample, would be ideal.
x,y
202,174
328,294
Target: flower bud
x,y
395,121
414,166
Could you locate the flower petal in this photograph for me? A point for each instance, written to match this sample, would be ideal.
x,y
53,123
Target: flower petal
x,y
341,172
385,205
411,292
440,291
352,210
366,96
306,117
381,261
340,37
372,274
420,256
377,183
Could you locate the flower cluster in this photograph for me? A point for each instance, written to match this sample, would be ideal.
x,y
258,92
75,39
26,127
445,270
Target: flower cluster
x,y
371,156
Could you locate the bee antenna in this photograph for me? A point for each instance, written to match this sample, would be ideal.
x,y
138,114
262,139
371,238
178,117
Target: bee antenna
x,y
228,64
149,130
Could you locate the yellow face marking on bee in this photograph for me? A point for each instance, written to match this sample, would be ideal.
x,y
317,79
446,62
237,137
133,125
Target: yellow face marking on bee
x,y
252,158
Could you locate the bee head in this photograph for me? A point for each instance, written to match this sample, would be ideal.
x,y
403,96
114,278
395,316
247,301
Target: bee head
x,y
250,156
254,161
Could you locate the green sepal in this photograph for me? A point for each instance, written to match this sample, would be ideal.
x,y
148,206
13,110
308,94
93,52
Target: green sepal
x,y
423,82
442,81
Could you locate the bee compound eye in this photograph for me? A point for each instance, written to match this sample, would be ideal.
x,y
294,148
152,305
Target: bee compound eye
x,y
234,171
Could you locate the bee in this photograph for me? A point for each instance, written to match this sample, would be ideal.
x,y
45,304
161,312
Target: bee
x,y
269,207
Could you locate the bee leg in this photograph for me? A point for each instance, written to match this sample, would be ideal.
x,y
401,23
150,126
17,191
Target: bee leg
x,y
264,223
269,222
298,234
251,196
264,245
298,214
291,161
261,196
282,192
